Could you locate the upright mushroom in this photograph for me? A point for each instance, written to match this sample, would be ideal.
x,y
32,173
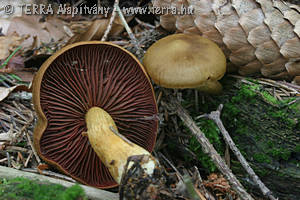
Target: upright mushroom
x,y
186,61
87,95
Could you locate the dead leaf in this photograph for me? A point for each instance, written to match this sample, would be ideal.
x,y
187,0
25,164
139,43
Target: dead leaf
x,y
57,28
218,183
79,27
7,44
14,64
297,81
26,74
97,28
4,92
212,176
31,26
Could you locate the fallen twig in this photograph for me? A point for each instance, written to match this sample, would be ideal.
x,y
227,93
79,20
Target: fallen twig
x,y
197,178
28,159
190,188
147,25
171,165
111,21
140,51
207,147
50,173
185,182
33,149
292,89
215,116
16,149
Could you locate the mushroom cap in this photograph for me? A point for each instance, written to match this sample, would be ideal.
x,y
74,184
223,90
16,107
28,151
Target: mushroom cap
x,y
184,61
73,80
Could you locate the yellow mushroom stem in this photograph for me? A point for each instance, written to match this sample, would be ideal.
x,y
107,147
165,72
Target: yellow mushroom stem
x,y
112,148
211,87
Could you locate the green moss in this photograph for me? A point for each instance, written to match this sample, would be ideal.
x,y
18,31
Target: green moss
x,y
242,129
232,109
246,92
266,130
262,172
244,124
269,98
292,122
73,192
284,117
261,158
279,114
25,189
270,144
297,148
280,153
288,100
249,91
212,132
295,106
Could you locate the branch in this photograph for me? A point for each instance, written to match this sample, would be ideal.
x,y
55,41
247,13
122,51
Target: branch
x,y
111,21
215,116
207,147
140,51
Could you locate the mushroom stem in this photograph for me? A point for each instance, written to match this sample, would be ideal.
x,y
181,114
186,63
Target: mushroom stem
x,y
111,148
211,87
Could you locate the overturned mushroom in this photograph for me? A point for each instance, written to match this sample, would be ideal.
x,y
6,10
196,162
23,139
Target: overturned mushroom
x,y
93,98
186,61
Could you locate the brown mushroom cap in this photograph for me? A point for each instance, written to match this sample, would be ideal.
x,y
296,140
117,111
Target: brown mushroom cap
x,y
73,80
184,61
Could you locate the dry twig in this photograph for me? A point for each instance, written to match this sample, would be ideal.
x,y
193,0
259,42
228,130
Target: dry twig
x,y
207,147
140,51
215,116
33,149
111,21
199,182
50,173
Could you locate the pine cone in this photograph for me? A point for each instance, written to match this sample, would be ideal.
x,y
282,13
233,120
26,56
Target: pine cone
x,y
257,36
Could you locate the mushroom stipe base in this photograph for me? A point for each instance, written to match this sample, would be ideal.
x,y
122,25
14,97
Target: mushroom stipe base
x,y
112,149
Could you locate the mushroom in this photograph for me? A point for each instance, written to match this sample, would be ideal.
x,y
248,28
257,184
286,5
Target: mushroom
x,y
186,61
95,107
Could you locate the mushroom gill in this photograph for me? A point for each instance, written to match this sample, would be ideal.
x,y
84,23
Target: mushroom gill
x,y
81,76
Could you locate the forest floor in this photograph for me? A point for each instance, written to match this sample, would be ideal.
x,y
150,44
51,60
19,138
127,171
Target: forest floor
x,y
261,115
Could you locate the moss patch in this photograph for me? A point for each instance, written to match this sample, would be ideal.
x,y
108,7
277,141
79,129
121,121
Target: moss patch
x,y
213,134
25,189
266,131
255,117
261,158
